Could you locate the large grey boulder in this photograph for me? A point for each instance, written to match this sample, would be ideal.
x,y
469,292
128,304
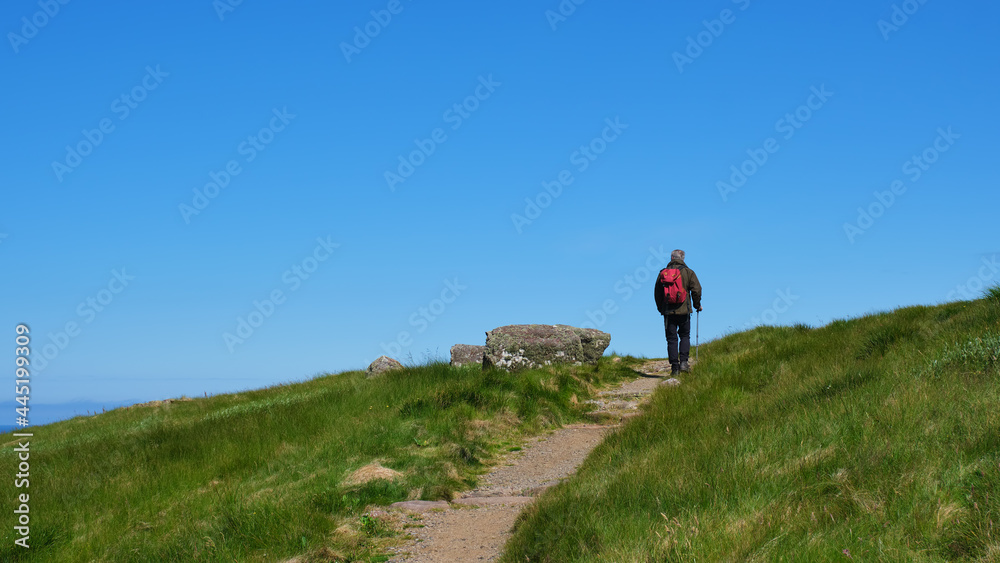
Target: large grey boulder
x,y
462,354
381,365
515,347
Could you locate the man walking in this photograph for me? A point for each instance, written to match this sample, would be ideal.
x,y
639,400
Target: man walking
x,y
677,293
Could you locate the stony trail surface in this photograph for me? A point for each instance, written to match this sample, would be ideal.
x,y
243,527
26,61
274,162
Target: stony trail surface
x,y
476,526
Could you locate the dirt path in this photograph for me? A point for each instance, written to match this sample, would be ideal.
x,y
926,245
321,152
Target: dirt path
x,y
476,526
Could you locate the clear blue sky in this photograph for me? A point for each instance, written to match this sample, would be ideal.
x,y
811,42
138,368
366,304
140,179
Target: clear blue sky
x,y
286,120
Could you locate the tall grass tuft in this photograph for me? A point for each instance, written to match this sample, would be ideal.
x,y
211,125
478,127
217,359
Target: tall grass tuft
x,y
992,293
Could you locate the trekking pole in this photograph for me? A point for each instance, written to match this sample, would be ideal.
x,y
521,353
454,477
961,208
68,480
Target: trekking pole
x,y
697,329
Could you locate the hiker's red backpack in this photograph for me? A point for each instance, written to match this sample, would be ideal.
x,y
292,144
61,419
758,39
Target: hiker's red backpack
x,y
673,286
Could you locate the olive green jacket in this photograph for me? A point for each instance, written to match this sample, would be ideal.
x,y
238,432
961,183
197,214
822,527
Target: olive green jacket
x,y
691,284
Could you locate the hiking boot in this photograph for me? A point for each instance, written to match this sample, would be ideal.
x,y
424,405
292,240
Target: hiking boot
x,y
675,370
685,367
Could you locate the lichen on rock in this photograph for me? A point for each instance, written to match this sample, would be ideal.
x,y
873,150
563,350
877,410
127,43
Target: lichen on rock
x,y
516,347
462,354
381,365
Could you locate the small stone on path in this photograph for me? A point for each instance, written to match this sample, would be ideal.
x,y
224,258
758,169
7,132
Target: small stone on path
x,y
487,501
420,505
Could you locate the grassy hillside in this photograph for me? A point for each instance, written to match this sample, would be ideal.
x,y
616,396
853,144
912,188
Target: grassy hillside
x,y
263,475
873,439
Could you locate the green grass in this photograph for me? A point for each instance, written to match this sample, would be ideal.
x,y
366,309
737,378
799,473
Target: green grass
x,y
872,439
262,475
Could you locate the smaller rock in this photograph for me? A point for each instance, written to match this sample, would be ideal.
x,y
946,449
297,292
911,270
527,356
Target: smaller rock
x,y
462,354
381,365
672,382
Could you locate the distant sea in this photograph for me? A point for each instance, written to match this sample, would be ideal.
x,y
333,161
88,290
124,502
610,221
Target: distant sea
x,y
41,414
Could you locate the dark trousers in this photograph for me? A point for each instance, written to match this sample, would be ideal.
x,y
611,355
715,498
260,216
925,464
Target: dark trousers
x,y
678,325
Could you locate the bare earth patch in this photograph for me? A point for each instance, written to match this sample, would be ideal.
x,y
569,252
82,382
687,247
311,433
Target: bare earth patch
x,y
476,526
